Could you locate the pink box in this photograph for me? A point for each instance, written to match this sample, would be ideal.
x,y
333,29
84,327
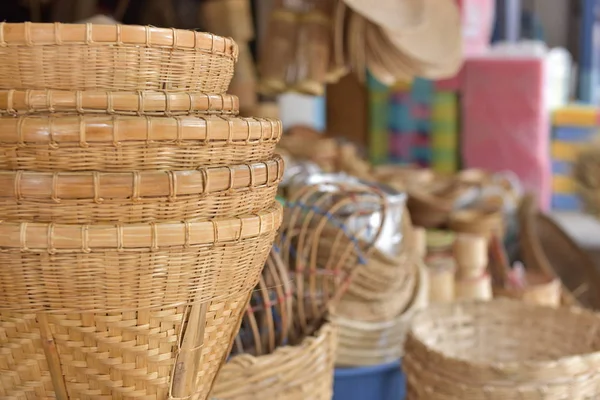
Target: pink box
x,y
505,122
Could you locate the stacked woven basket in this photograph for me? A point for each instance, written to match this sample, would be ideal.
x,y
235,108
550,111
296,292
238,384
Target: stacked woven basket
x,y
137,210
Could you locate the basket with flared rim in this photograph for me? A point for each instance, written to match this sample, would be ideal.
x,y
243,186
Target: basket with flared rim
x,y
118,143
109,310
363,343
140,196
503,349
295,372
113,57
267,319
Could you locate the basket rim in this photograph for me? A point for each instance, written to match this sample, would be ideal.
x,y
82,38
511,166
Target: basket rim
x,y
136,185
75,238
500,304
139,102
61,34
55,129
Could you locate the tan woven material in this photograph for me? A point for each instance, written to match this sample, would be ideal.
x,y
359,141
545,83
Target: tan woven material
x,y
300,372
268,318
129,197
118,143
52,267
160,103
156,325
503,350
113,57
372,343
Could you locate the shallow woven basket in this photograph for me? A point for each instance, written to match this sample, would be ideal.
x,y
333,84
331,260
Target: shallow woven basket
x,y
113,57
146,196
129,311
299,372
159,103
268,317
503,350
117,143
363,343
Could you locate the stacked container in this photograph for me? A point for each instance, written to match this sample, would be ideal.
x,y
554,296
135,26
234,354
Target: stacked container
x,y
137,214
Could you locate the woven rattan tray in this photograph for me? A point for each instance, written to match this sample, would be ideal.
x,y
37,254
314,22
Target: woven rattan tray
x,y
147,196
14,102
117,143
113,57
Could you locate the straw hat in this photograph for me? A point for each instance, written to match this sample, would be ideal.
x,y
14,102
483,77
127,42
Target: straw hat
x,y
395,15
435,45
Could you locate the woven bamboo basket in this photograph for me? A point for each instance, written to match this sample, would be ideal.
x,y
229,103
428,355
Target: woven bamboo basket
x,y
116,143
298,372
157,324
113,57
547,249
159,103
364,343
326,234
503,350
131,197
268,318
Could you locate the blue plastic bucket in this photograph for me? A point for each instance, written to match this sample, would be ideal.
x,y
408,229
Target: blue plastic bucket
x,y
379,382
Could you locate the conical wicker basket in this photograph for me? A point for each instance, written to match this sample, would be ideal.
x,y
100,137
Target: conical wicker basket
x,y
113,57
141,196
118,143
503,350
129,311
299,372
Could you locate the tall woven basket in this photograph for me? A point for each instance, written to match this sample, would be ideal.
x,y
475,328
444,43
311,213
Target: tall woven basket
x,y
503,350
157,325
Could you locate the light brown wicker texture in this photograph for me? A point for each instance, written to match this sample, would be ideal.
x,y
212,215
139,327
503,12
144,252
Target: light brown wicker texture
x,y
57,267
113,57
503,350
111,143
300,372
372,343
166,353
160,103
147,196
268,317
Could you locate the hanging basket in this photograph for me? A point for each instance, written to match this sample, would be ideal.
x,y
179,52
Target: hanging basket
x,y
135,310
503,350
159,103
113,57
298,372
134,197
117,143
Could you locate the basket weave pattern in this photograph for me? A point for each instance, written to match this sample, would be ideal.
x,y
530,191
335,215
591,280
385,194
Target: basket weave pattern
x,y
106,57
86,143
503,350
91,197
297,372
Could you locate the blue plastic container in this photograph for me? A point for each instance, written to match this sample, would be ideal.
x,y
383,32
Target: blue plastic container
x,y
380,382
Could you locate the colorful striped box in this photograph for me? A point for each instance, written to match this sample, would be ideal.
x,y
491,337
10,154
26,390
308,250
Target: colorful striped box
x,y
566,202
563,185
565,151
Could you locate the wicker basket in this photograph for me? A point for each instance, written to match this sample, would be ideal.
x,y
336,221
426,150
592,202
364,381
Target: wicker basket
x,y
117,143
503,350
132,197
157,324
364,343
113,57
159,103
268,318
300,372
